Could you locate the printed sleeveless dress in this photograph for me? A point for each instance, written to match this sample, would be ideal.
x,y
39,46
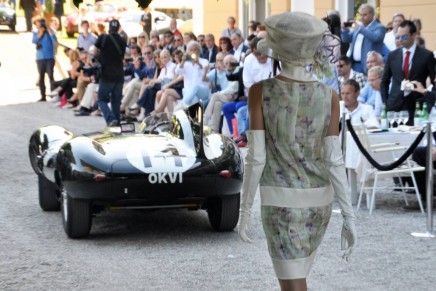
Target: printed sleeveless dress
x,y
296,193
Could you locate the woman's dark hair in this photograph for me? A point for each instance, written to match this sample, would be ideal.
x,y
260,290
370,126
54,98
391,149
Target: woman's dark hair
x,y
334,23
227,40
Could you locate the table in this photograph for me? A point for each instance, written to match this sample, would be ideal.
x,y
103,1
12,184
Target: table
x,y
354,159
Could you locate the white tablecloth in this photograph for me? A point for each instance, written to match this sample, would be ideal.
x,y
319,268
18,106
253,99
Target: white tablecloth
x,y
354,158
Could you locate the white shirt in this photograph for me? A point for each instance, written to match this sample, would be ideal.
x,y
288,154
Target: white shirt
x,y
362,112
167,72
193,74
389,40
357,49
238,52
254,71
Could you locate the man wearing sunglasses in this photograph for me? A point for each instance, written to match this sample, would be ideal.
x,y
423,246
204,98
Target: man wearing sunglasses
x,y
409,62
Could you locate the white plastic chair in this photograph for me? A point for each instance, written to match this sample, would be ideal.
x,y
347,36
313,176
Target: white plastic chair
x,y
405,169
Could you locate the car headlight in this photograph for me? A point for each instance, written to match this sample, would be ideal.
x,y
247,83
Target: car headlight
x,y
10,12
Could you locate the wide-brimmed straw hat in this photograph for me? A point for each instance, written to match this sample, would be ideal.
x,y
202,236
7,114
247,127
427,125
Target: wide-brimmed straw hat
x,y
293,37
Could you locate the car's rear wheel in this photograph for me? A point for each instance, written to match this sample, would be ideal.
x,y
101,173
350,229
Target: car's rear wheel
x,y
223,212
76,216
48,195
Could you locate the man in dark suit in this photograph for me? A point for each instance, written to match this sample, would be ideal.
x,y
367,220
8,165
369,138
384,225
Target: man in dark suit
x,y
29,7
364,38
409,62
239,48
210,50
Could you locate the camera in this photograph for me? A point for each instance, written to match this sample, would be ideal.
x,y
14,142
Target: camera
x,y
191,57
348,24
38,46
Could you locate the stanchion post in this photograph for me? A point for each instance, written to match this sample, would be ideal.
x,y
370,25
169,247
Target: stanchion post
x,y
343,133
429,187
429,179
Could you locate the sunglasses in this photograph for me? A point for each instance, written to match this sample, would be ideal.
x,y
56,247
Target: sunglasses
x,y
147,53
141,36
178,39
402,37
372,80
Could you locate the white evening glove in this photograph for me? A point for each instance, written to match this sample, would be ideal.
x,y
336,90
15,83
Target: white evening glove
x,y
254,164
336,168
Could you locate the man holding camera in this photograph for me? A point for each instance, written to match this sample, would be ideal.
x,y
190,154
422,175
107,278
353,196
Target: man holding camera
x,y
364,37
112,49
46,43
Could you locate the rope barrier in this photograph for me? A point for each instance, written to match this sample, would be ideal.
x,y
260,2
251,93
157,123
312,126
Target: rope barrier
x,y
387,167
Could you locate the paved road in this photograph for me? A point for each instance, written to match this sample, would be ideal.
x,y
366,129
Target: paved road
x,y
163,250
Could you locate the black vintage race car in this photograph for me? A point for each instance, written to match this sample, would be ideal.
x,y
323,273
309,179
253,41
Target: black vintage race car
x,y
168,162
7,16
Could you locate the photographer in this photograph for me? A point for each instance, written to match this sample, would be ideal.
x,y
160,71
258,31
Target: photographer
x,y
192,69
112,49
46,44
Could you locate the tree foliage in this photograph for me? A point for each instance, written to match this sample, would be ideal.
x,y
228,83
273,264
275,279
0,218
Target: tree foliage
x,y
141,3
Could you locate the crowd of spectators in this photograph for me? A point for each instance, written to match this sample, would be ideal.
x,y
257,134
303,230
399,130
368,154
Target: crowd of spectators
x,y
163,72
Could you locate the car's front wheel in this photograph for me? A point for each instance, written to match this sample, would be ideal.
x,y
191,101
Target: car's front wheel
x,y
76,216
48,195
223,212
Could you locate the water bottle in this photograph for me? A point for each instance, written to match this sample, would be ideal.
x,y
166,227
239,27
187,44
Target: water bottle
x,y
384,118
417,117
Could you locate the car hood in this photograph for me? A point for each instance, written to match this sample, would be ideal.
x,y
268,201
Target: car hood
x,y
147,153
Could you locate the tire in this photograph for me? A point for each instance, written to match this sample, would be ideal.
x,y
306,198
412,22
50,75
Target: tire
x,y
48,195
70,34
76,216
223,212
12,27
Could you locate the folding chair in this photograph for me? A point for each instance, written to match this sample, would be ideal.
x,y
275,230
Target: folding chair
x,y
408,167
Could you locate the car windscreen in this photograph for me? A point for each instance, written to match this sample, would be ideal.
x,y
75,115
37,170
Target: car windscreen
x,y
179,125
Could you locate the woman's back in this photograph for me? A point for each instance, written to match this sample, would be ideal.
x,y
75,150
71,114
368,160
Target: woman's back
x,y
296,117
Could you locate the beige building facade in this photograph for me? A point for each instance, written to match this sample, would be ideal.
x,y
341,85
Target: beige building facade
x,y
211,15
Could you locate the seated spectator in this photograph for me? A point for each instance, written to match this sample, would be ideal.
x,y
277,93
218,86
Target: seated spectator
x,y
173,27
169,94
210,49
358,112
89,100
138,70
166,75
84,77
179,44
168,41
133,110
239,48
143,40
192,69
230,108
85,39
226,93
133,41
345,72
225,45
64,88
257,66
367,94
374,79
155,42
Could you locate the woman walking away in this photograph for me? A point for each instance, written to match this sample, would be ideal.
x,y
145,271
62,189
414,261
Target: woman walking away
x,y
294,151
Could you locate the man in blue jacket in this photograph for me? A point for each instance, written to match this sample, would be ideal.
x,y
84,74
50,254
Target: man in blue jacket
x,y
365,37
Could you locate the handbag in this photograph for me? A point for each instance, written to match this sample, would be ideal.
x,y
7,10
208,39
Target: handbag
x,y
178,85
